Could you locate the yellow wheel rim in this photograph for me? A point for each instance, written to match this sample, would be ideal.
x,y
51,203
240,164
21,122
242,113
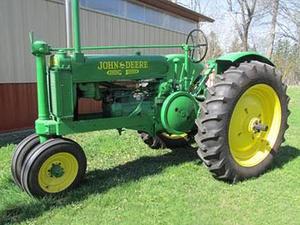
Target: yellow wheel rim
x,y
175,136
254,125
58,172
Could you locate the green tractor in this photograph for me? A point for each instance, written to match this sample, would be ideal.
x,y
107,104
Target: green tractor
x,y
235,108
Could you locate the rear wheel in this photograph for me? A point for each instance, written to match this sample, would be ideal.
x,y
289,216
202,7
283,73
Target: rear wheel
x,y
53,167
243,121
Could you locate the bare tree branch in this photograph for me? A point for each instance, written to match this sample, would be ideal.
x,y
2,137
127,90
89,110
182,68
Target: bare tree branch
x,y
275,7
242,17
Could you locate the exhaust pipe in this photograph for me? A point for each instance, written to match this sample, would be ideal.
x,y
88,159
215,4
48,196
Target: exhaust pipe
x,y
75,24
68,23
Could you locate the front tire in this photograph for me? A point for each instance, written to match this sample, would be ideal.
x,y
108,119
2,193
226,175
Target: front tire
x,y
53,167
20,153
243,121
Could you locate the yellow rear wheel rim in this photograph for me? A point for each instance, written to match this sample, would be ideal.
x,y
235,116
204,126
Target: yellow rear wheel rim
x,y
175,136
58,172
258,105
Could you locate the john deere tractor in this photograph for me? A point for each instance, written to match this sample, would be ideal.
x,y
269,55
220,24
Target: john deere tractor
x,y
234,107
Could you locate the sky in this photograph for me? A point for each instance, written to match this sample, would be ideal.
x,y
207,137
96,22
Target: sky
x,y
224,26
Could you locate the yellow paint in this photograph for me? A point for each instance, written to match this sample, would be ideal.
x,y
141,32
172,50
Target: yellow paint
x,y
53,61
114,72
117,65
57,184
119,68
175,136
260,103
132,71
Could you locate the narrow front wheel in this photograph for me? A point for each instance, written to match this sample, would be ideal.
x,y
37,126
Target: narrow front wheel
x,y
53,167
19,156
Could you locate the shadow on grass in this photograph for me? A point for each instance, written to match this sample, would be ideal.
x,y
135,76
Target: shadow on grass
x,y
100,181
14,137
285,155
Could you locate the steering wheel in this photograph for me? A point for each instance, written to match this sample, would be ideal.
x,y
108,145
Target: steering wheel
x,y
197,41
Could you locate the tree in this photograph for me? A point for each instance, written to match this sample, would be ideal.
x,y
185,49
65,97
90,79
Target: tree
x,y
290,24
274,13
214,48
242,12
236,45
286,57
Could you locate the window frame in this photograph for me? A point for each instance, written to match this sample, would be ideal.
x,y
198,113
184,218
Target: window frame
x,y
170,16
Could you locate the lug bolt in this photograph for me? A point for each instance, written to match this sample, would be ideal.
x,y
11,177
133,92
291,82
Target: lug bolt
x,y
258,127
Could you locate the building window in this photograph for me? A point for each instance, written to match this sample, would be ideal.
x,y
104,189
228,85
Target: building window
x,y
135,12
140,13
154,17
114,7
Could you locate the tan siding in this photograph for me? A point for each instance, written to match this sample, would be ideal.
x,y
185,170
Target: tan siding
x,y
47,20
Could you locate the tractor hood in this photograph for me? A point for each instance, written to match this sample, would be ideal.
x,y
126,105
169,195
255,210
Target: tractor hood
x,y
116,67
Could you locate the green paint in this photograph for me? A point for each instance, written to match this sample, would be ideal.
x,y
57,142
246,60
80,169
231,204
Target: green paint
x,y
162,93
89,48
76,26
179,112
235,56
225,61
56,170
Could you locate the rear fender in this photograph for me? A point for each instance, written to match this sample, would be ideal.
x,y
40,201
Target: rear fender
x,y
234,59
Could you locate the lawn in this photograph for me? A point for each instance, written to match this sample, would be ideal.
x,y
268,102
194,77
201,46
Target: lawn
x,y
128,183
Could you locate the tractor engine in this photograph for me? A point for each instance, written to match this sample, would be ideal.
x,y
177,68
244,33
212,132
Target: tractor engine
x,y
120,98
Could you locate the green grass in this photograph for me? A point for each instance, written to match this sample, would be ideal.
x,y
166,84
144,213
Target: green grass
x,y
128,183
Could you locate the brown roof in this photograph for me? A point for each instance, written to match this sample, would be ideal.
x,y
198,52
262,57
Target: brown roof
x,y
179,10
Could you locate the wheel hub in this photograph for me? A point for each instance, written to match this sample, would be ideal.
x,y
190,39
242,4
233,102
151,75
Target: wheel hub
x,y
256,125
56,170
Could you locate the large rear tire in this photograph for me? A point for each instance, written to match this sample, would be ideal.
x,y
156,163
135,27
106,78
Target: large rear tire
x,y
243,121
